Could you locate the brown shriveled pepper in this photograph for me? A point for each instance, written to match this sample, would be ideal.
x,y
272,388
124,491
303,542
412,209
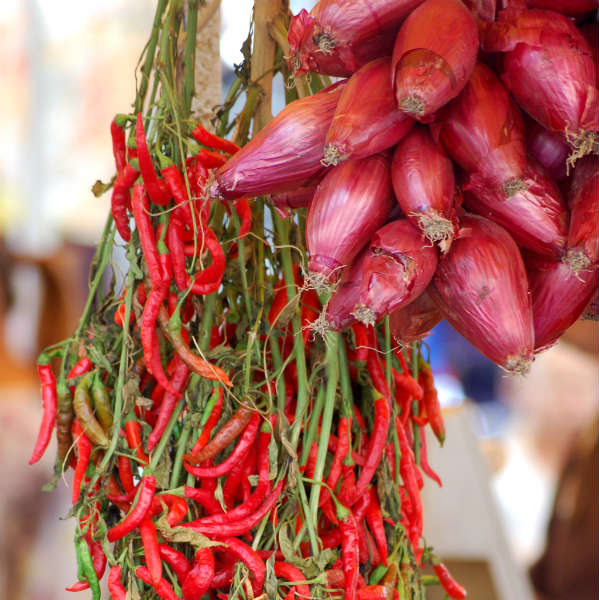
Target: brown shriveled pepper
x,y
83,409
102,404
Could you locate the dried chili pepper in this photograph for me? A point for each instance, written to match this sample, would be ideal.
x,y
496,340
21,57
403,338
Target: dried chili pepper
x,y
163,588
431,403
226,434
138,512
424,465
251,558
241,449
50,406
199,578
85,416
204,137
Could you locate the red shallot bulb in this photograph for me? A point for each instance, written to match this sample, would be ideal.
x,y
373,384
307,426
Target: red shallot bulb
x,y
424,185
284,154
583,237
481,288
548,67
533,211
350,204
482,9
337,37
414,321
571,8
433,57
559,297
549,148
367,119
398,267
482,129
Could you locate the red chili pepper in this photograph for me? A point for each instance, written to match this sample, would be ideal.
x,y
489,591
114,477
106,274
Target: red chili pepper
x,y
374,518
157,189
176,560
361,342
115,587
251,558
84,449
241,449
175,245
424,465
198,581
125,473
149,539
242,208
134,441
341,451
225,435
120,200
210,160
206,138
204,498
431,403
232,483
119,146
81,367
348,527
291,573
138,512
239,527
163,588
372,592
168,403
209,279
452,588
50,406
177,507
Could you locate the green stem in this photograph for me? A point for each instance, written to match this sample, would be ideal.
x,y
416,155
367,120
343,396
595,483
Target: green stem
x,y
332,365
415,408
312,430
278,366
190,53
181,448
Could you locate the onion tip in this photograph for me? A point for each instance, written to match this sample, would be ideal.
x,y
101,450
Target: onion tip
x,y
412,105
364,315
517,365
332,156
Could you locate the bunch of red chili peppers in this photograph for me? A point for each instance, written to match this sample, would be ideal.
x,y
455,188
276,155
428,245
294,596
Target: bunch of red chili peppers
x,y
218,449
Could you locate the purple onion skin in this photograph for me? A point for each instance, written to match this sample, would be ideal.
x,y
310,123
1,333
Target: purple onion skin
x,y
339,310
337,37
349,205
548,67
424,185
559,297
284,154
398,267
583,200
431,65
299,197
481,288
414,321
482,129
536,216
360,128
549,148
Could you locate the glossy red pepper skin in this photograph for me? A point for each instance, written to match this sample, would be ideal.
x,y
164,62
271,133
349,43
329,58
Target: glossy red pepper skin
x,y
204,498
209,159
350,555
120,200
84,449
149,539
291,573
177,507
374,518
119,146
156,188
431,404
176,560
199,578
115,586
424,465
140,208
50,410
239,452
134,441
138,512
209,279
452,588
204,137
174,242
164,589
125,473
251,558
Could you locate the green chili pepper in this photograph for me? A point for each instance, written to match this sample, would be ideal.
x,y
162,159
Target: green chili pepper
x,y
102,404
88,568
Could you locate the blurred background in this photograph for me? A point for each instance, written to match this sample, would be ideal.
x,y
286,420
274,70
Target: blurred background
x,y
66,68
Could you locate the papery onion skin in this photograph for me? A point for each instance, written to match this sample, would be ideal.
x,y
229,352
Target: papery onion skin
x,y
299,197
414,321
559,297
338,313
482,129
591,312
549,148
431,65
583,235
548,67
571,8
424,185
350,204
367,119
337,37
397,269
284,154
535,215
481,288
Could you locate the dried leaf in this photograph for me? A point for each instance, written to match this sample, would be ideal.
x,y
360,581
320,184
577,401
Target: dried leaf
x,y
184,535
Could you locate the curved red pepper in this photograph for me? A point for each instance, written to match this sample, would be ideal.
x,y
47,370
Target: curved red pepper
x,y
138,512
156,188
149,540
115,587
209,279
176,560
84,449
206,138
199,578
50,407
